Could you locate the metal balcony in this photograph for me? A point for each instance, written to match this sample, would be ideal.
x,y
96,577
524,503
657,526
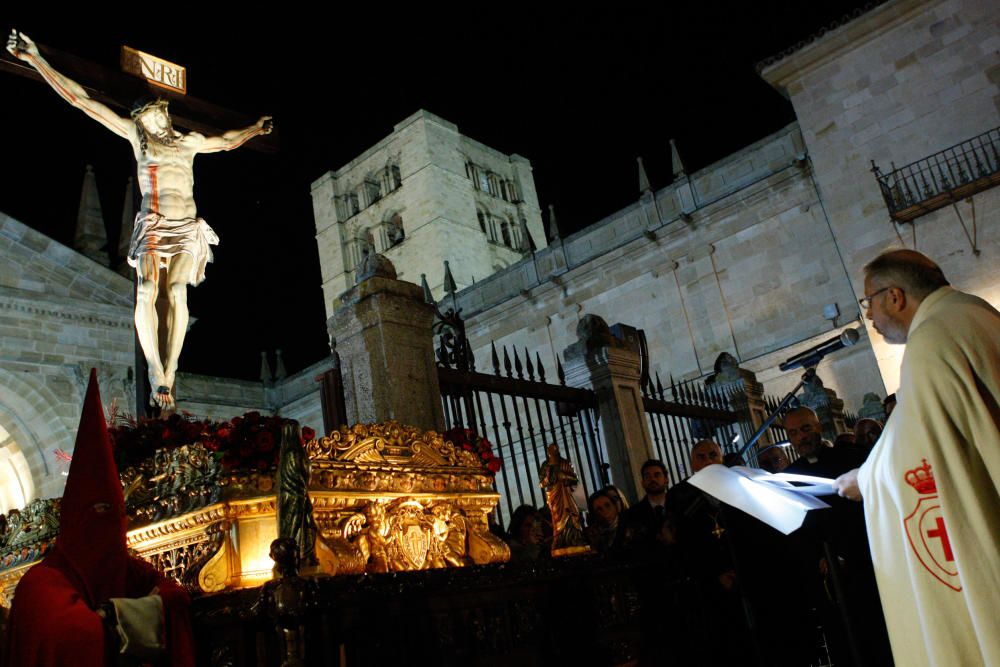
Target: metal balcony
x,y
941,179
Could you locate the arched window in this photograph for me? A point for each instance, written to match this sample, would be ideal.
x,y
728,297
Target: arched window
x,y
397,178
505,233
482,221
394,232
515,234
16,486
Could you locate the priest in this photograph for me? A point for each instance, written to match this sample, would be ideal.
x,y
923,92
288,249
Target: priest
x,y
931,485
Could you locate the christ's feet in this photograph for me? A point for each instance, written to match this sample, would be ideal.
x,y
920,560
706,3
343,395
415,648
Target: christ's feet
x,y
161,398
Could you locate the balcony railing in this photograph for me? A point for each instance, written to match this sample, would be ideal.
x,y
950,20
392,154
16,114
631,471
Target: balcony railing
x,y
941,179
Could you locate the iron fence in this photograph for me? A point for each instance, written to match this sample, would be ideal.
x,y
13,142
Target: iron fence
x,y
942,178
685,414
521,414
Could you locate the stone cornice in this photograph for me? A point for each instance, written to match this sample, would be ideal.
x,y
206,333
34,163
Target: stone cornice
x,y
786,69
66,308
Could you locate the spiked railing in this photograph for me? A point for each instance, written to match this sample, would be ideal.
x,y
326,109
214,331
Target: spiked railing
x,y
941,179
683,414
520,413
516,409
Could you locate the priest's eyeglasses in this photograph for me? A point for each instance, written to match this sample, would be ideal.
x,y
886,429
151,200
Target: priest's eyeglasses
x,y
866,301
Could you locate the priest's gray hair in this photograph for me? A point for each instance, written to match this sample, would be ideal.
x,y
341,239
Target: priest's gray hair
x,y
911,271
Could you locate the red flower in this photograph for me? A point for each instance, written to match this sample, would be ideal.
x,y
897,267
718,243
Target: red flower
x,y
223,433
493,465
166,434
308,434
264,441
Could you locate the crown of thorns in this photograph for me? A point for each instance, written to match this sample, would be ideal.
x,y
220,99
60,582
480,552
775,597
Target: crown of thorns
x,y
142,106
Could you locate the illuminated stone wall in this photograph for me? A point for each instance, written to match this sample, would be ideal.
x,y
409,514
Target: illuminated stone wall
x,y
906,80
439,183
60,314
749,273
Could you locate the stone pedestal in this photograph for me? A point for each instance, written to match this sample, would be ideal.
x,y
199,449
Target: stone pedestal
x,y
382,328
600,360
827,406
745,392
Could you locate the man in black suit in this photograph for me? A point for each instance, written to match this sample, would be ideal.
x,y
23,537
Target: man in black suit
x,y
644,520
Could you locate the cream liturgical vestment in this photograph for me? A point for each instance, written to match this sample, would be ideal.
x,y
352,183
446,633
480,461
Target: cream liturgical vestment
x,y
931,489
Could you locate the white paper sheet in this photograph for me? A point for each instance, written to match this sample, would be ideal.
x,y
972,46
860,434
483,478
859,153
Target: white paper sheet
x,y
769,498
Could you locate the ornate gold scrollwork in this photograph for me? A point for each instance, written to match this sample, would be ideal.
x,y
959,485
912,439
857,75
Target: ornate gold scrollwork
x,y
389,497
171,482
408,534
386,497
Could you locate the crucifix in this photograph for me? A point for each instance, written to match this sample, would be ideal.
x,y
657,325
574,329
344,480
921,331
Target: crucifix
x,y
170,244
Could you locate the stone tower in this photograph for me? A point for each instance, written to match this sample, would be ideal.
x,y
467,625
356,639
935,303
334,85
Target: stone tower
x,y
423,195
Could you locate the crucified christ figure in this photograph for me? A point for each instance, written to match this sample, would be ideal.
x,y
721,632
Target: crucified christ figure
x,y
168,233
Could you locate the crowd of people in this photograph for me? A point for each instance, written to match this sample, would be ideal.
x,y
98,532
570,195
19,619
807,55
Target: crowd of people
x,y
913,520
735,561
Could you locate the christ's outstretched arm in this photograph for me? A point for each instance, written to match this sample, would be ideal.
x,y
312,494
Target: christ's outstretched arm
x,y
23,48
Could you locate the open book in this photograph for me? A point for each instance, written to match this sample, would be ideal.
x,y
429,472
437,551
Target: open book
x,y
782,501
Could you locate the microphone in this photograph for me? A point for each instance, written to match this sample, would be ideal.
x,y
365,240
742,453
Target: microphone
x,y
815,354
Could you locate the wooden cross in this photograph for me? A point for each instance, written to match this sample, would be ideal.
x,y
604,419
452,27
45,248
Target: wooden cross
x,y
117,90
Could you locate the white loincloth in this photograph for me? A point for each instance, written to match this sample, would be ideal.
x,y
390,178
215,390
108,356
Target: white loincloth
x,y
166,238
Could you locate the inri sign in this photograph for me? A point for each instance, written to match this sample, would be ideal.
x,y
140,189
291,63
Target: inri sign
x,y
155,70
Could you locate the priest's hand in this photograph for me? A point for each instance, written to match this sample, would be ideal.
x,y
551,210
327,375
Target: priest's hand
x,y
847,485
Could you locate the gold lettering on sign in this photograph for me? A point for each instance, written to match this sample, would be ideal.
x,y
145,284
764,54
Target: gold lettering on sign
x,y
157,71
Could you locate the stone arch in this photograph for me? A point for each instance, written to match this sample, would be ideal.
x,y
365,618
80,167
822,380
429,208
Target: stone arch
x,y
29,412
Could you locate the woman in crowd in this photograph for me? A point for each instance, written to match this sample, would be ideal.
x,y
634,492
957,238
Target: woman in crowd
x,y
603,532
524,534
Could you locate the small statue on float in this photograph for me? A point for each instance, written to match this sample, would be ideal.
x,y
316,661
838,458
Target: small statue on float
x,y
557,477
294,509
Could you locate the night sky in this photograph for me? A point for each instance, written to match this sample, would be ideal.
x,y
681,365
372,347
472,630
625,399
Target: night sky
x,y
580,94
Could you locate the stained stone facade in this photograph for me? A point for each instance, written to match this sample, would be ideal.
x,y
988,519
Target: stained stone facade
x,y
62,313
748,270
423,195
906,80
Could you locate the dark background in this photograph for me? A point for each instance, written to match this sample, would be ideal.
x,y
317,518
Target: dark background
x,y
580,93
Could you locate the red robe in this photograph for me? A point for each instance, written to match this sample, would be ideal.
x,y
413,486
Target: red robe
x,y
53,620
52,625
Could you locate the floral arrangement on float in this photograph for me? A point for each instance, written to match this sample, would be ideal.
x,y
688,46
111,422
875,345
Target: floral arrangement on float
x,y
471,442
246,443
176,464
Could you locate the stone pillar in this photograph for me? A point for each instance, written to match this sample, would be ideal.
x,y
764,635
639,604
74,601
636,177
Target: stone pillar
x,y
612,367
827,407
382,329
748,393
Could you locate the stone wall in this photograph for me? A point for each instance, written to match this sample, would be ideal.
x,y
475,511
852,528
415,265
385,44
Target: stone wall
x,y
903,81
295,397
439,198
748,270
60,314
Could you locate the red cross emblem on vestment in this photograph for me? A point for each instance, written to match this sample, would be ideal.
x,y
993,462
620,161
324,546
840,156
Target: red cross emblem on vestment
x,y
926,530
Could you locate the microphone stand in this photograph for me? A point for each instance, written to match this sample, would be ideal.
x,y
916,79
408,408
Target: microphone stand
x,y
836,575
806,377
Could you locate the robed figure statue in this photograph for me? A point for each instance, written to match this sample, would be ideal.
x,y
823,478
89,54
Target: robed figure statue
x,y
557,477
